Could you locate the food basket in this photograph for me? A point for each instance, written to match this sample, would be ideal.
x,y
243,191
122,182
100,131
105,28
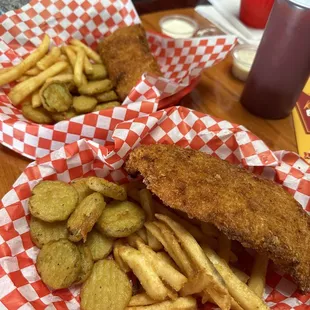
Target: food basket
x,y
20,284
22,30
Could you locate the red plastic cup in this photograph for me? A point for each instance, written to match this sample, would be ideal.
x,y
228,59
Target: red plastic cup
x,y
255,13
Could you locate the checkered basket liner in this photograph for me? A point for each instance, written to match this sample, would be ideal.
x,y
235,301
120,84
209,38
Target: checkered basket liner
x,y
21,31
20,284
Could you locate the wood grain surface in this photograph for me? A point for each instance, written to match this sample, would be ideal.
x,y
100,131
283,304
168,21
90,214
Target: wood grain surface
x,y
218,94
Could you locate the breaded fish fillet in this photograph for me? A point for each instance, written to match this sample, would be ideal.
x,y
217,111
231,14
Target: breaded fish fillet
x,y
127,56
256,212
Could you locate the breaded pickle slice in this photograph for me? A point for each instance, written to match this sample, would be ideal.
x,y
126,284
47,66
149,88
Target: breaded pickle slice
x,y
43,232
82,188
84,217
121,219
38,115
99,245
86,264
59,264
107,288
53,201
107,188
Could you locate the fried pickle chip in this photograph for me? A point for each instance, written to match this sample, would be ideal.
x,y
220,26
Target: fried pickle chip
x,y
106,105
84,217
84,104
86,263
107,288
99,245
42,232
37,115
120,219
57,97
82,188
107,188
99,72
59,263
107,96
53,201
62,116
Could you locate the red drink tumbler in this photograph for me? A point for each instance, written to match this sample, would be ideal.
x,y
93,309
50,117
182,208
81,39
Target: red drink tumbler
x,y
282,64
255,13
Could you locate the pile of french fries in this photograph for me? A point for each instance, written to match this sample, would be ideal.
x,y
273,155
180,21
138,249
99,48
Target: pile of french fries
x,y
178,260
59,83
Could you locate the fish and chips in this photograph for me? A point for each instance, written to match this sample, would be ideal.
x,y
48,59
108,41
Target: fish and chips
x,y
60,83
108,232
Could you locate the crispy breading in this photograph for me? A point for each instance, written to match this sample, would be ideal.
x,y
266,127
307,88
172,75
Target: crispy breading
x,y
127,56
256,212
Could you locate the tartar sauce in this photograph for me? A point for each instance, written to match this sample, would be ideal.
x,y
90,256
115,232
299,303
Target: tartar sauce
x,y
243,57
178,26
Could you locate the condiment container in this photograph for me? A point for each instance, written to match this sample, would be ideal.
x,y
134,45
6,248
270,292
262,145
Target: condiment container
x,y
243,57
282,63
255,13
178,26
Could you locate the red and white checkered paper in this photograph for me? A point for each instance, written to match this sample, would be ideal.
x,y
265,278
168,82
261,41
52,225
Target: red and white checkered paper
x,y
21,31
20,284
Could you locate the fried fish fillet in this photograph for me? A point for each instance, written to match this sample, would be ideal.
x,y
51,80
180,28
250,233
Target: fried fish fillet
x,y
127,56
256,212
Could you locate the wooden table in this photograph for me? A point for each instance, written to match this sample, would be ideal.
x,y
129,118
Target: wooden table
x,y
218,94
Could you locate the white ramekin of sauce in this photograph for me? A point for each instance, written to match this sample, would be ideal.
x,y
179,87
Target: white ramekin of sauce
x,y
178,26
243,58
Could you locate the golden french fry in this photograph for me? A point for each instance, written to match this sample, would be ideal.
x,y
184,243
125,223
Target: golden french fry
x,y
117,244
87,66
195,285
235,305
142,299
166,272
258,275
174,249
63,57
153,242
144,271
224,247
216,287
70,55
78,68
146,202
142,233
193,230
33,71
240,274
242,294
164,256
49,59
17,71
181,303
95,87
4,70
89,52
36,99
133,240
209,229
22,90
23,78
